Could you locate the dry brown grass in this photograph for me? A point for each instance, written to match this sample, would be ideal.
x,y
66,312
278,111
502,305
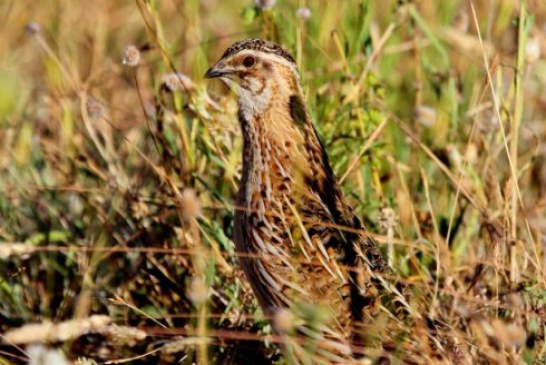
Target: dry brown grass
x,y
117,174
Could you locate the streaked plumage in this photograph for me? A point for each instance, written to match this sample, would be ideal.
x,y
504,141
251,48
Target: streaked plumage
x,y
299,240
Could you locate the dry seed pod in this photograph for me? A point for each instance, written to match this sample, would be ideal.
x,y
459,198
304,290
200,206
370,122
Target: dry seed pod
x,y
131,56
265,4
176,81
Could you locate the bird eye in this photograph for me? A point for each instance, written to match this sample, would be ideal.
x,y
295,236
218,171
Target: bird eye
x,y
249,61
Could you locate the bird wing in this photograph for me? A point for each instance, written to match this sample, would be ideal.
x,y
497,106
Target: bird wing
x,y
350,232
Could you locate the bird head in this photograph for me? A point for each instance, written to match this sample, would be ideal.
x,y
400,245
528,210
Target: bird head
x,y
258,71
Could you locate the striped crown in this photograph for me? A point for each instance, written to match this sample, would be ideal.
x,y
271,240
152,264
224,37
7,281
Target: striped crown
x,y
258,45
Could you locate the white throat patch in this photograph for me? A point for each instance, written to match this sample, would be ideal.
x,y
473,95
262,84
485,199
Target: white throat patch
x,y
251,103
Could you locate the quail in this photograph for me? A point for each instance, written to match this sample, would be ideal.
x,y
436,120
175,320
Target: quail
x,y
300,244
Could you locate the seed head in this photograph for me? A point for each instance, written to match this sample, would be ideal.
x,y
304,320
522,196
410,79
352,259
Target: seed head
x,y
425,115
41,355
284,320
461,21
303,13
265,4
131,56
176,81
21,250
55,332
96,108
387,218
123,335
198,290
84,361
532,50
32,28
190,204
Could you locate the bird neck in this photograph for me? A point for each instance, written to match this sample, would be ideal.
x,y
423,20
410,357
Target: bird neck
x,y
275,148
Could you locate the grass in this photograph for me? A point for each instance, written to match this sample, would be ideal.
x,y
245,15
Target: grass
x,y
116,187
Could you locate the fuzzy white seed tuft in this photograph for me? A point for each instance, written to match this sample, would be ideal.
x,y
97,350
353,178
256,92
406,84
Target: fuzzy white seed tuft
x,y
130,56
176,81
303,13
265,4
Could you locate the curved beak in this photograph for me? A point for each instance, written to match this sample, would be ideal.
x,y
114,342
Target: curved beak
x,y
212,73
217,70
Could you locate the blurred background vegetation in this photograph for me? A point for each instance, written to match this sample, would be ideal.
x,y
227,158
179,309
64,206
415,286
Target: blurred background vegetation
x,y
119,165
